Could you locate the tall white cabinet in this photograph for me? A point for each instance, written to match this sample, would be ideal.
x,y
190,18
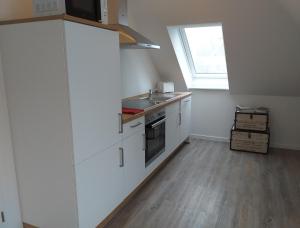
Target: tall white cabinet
x,y
10,216
93,60
63,91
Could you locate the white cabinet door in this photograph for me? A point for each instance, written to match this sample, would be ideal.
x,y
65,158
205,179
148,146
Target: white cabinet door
x,y
99,186
93,57
172,127
9,201
9,211
186,106
2,223
134,161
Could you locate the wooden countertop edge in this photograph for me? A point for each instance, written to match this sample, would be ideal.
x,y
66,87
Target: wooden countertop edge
x,y
25,225
124,38
128,118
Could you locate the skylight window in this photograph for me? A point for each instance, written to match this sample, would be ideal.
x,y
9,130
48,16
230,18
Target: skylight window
x,y
201,54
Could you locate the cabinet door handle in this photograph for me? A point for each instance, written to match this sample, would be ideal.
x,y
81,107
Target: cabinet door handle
x,y
186,101
136,125
2,217
180,119
144,142
121,150
120,123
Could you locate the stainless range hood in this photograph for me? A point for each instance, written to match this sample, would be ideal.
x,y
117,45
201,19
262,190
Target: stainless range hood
x,y
141,41
118,19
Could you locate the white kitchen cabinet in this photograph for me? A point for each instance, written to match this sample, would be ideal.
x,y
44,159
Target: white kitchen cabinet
x,y
93,58
107,178
63,90
100,186
185,123
134,160
173,132
9,200
178,123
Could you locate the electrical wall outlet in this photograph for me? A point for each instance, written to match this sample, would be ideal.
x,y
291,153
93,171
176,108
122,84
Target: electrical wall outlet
x,y
48,7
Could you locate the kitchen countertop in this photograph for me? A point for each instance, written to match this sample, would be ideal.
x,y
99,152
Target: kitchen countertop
x,y
129,117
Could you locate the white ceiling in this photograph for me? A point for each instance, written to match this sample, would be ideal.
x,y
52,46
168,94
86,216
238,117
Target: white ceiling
x,y
262,40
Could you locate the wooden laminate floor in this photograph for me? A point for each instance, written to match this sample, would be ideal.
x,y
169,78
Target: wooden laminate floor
x,y
206,185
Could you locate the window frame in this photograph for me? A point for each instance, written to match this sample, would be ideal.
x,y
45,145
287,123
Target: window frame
x,y
190,60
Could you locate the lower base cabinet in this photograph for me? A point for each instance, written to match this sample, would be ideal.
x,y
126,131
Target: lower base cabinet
x,y
99,186
173,131
185,122
107,178
134,161
178,123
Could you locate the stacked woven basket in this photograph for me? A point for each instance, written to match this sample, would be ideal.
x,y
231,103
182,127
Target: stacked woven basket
x,y
250,131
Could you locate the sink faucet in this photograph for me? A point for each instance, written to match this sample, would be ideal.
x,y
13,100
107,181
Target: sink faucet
x,y
150,93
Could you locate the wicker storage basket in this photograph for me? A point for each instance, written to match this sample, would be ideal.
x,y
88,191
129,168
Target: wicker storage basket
x,y
255,120
250,141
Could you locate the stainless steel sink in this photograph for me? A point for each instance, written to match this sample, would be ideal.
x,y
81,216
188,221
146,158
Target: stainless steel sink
x,y
148,101
159,97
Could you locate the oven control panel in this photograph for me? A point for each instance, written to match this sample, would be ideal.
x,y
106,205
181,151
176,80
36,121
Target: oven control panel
x,y
155,116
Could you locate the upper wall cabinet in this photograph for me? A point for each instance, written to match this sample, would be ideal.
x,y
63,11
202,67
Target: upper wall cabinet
x,y
63,88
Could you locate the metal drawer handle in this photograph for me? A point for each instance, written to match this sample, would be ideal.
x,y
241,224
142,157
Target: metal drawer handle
x,y
2,217
187,101
180,118
120,123
158,123
121,150
136,125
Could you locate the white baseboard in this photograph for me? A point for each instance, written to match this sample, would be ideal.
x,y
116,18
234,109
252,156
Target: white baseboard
x,y
285,146
224,139
210,138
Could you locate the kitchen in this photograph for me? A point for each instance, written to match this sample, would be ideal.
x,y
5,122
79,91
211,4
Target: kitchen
x,y
103,140
87,143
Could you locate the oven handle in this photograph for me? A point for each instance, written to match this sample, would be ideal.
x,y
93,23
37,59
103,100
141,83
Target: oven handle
x,y
158,123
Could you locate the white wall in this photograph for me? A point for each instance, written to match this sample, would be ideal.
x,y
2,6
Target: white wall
x,y
8,183
137,72
213,116
261,39
263,53
13,9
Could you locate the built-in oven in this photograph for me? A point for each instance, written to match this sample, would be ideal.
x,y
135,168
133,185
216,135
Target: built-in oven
x,y
155,135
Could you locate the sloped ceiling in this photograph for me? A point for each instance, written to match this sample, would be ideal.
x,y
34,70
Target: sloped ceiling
x,y
262,40
293,8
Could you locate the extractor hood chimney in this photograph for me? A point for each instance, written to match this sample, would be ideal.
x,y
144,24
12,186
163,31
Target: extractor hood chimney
x,y
115,14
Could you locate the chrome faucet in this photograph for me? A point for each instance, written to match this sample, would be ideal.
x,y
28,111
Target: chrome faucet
x,y
150,93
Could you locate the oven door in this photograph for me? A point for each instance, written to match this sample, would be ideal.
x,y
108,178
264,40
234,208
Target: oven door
x,y
88,9
155,139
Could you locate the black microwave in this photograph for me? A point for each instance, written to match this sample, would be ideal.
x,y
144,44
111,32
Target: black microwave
x,y
87,9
